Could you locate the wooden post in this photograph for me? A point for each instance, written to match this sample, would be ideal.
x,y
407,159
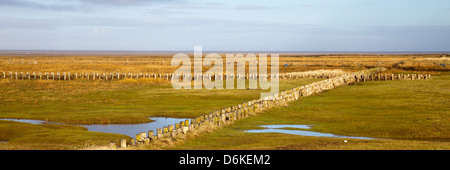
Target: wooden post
x,y
123,143
159,133
173,133
170,128
138,138
146,141
165,130
150,133
143,135
133,142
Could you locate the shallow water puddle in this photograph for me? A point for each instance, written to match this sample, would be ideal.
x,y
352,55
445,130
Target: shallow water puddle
x,y
125,129
30,121
278,129
133,129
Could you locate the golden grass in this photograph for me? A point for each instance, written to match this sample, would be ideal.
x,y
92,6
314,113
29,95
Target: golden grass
x,y
162,63
130,100
399,115
144,81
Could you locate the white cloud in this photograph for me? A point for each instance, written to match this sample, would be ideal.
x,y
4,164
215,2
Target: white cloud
x,y
253,7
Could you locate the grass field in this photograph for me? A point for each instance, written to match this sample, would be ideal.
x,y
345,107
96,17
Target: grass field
x,y
162,63
399,114
85,102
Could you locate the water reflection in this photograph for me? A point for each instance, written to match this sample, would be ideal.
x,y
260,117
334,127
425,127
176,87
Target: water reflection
x,y
133,129
278,129
125,129
31,121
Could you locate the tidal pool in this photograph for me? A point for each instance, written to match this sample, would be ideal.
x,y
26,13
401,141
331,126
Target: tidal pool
x,y
125,129
279,129
31,121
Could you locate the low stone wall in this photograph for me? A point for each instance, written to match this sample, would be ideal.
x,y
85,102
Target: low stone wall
x,y
241,111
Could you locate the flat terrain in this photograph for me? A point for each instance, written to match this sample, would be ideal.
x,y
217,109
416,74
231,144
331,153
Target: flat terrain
x,y
85,102
398,114
161,63
401,114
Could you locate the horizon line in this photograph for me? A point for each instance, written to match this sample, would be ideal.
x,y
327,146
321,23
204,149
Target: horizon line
x,y
123,52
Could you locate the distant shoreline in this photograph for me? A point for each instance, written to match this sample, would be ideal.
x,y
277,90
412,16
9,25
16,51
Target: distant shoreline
x,y
306,53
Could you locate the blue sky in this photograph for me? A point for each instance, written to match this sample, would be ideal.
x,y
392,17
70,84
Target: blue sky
x,y
226,25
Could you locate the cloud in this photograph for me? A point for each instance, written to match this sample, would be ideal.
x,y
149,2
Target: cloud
x,y
165,12
36,5
253,7
72,5
123,2
306,6
194,5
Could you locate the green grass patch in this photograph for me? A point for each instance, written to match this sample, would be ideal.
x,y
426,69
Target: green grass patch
x,y
399,114
87,102
101,102
24,136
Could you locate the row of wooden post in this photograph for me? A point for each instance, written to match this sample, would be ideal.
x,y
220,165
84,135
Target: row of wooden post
x,y
117,76
385,77
76,76
167,76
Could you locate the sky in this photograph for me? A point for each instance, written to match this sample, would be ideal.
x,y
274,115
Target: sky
x,y
225,25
